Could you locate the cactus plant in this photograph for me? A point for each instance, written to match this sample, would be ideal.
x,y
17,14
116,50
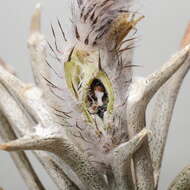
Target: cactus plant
x,y
85,120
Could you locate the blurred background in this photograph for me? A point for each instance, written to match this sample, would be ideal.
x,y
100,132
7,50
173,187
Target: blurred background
x,y
159,36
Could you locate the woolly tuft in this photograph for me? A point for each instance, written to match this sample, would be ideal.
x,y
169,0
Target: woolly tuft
x,y
93,20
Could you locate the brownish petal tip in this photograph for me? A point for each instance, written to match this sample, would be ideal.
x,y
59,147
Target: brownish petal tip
x,y
3,147
186,38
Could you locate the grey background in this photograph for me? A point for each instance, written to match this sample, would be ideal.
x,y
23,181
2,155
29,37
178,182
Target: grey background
x,y
159,37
